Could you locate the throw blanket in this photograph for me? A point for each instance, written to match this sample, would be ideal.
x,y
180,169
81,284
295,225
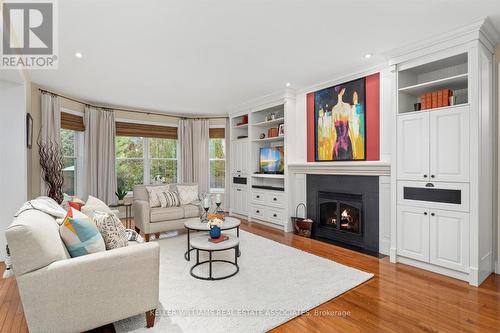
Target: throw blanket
x,y
43,204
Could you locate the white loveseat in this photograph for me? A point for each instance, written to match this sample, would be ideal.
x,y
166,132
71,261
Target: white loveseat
x,y
64,294
154,220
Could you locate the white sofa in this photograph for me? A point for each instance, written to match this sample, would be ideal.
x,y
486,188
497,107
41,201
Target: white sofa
x,y
154,220
64,294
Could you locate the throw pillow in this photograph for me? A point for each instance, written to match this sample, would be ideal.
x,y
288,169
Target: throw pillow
x,y
75,205
153,194
80,236
169,199
188,193
95,205
112,230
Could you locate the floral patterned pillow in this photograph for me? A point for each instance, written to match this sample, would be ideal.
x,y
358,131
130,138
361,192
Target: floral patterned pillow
x,y
187,193
153,192
111,229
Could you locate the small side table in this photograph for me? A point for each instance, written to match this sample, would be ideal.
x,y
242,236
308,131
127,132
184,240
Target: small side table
x,y
128,213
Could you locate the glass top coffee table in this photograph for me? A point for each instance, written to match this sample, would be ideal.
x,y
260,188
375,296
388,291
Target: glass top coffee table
x,y
195,224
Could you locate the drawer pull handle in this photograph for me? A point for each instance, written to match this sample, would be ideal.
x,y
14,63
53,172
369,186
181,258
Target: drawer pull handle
x,y
432,176
274,199
258,197
274,215
425,176
257,211
432,214
425,213
429,185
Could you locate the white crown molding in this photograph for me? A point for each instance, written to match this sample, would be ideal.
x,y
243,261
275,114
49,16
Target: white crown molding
x,y
481,30
355,168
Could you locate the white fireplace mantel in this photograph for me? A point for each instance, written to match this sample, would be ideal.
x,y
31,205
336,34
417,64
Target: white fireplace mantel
x,y
356,168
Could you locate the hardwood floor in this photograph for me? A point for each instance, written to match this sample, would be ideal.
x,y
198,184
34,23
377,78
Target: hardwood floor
x,y
398,299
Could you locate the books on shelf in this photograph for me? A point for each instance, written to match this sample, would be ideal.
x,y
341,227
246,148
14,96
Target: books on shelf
x,y
435,99
218,240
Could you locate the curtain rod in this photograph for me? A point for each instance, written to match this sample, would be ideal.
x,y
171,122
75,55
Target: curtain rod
x,y
128,110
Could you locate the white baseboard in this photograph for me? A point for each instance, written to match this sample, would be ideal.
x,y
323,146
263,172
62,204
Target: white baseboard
x,y
435,269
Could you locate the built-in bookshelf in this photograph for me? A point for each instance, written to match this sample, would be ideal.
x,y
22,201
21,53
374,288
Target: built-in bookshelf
x,y
239,127
434,77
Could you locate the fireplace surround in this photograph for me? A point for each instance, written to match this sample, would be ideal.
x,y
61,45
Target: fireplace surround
x,y
345,210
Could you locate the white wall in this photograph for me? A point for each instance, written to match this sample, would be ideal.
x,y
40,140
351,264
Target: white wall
x,y
13,155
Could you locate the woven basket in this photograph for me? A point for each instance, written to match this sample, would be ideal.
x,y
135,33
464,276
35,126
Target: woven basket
x,y
301,225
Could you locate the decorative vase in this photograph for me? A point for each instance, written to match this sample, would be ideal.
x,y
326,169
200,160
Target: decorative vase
x,y
120,202
215,232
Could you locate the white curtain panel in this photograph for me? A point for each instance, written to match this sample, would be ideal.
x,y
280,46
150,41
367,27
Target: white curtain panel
x,y
193,141
99,159
227,197
50,123
186,154
201,166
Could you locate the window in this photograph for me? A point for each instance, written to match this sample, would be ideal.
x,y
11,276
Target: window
x,y
163,159
145,160
217,160
69,151
129,161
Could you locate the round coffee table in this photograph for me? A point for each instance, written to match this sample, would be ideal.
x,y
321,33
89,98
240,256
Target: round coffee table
x,y
201,243
195,224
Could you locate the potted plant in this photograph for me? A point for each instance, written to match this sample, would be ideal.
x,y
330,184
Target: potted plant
x,y
120,194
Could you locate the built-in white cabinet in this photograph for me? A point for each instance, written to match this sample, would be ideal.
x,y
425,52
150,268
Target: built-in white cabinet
x,y
434,145
434,236
413,232
268,205
449,144
413,146
449,239
240,158
239,200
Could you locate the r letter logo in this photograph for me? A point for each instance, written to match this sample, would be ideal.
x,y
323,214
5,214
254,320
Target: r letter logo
x,y
29,34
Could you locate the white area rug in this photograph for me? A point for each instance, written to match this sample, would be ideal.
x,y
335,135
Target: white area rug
x,y
275,283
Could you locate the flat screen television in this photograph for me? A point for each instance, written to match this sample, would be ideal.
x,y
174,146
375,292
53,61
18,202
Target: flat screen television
x,y
272,160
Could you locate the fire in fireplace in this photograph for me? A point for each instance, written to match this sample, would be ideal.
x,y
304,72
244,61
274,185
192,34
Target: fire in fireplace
x,y
340,212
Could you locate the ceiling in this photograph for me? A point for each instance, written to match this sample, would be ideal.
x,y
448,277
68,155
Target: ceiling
x,y
201,57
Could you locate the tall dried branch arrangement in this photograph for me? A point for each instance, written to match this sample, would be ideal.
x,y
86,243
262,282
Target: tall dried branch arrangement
x,y
52,165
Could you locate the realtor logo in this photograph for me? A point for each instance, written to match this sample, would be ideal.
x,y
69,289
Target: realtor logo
x,y
29,37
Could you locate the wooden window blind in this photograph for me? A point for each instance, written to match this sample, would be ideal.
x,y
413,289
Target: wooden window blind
x,y
146,131
72,122
216,133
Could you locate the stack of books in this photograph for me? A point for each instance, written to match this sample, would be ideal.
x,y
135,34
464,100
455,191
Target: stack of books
x,y
435,99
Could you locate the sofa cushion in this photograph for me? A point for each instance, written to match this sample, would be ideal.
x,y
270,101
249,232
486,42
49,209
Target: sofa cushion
x,y
165,214
81,236
187,193
111,229
34,241
191,211
169,199
153,192
94,205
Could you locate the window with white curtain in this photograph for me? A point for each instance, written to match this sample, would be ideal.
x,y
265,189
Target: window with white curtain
x,y
71,142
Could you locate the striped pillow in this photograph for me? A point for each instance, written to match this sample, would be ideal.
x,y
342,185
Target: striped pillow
x,y
169,199
153,192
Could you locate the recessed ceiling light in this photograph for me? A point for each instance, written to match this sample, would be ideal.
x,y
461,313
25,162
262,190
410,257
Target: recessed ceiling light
x,y
288,84
78,55
368,55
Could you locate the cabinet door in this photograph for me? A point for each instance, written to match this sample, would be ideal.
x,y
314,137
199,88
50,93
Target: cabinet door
x,y
244,158
244,201
235,204
413,146
449,144
413,232
449,239
234,158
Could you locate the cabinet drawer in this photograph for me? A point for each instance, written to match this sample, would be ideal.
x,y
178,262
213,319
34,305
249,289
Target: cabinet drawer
x,y
258,197
450,196
275,199
258,212
275,216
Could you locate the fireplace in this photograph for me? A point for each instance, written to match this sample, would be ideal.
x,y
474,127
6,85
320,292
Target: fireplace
x,y
344,210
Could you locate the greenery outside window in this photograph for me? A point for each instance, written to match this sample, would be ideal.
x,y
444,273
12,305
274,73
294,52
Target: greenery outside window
x,y
217,160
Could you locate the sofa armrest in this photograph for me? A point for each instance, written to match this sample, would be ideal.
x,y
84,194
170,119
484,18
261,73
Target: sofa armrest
x,y
142,215
100,288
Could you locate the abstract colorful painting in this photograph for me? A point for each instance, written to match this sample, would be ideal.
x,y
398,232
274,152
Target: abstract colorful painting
x,y
340,122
